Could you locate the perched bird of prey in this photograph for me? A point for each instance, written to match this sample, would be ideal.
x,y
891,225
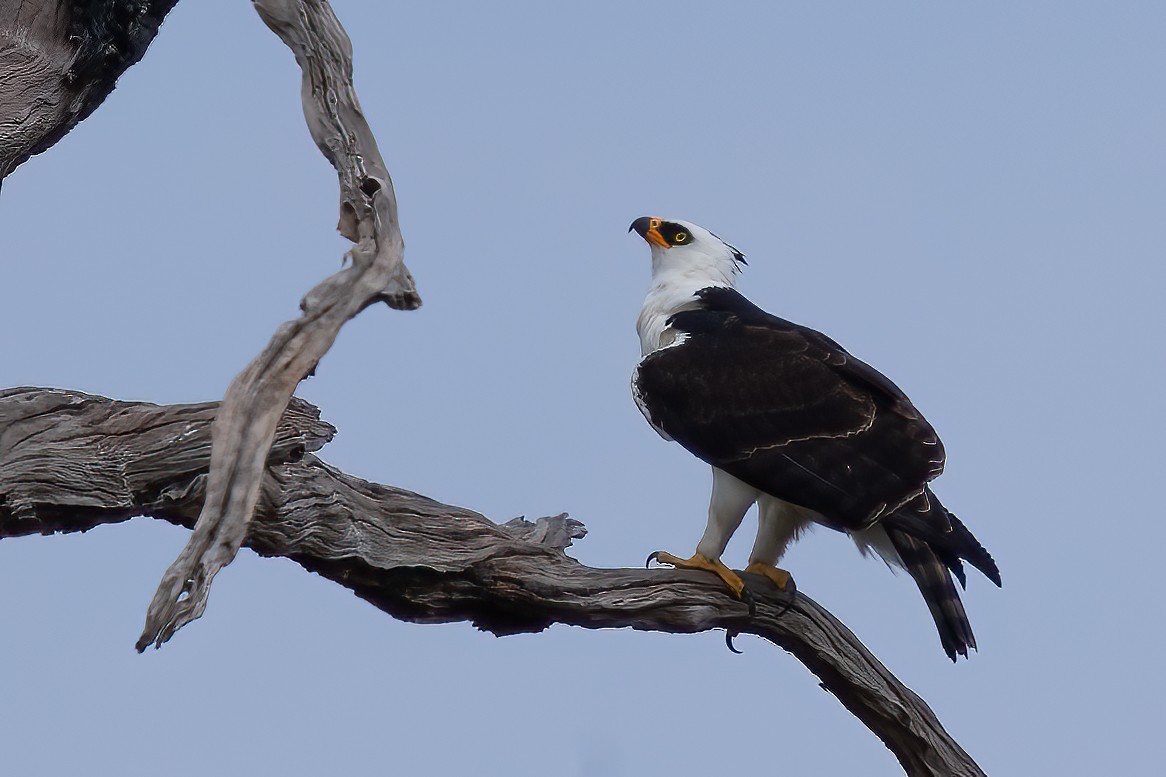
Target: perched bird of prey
x,y
788,419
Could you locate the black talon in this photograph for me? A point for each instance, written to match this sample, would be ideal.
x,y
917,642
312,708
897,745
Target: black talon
x,y
729,641
653,556
747,597
787,605
790,595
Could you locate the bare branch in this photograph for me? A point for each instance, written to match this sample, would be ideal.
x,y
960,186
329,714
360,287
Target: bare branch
x,y
59,60
69,461
245,426
413,557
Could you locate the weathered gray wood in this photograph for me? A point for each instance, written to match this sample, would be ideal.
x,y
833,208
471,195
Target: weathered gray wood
x,y
245,426
70,461
59,59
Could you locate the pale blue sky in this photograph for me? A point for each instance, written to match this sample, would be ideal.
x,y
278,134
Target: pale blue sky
x,y
972,199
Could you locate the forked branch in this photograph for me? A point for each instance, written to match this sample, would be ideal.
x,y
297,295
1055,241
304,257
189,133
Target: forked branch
x,y
415,558
70,461
246,424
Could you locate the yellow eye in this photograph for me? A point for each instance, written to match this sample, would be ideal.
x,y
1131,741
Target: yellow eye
x,y
680,237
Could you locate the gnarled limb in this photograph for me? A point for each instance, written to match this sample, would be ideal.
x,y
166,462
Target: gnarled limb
x,y
70,462
413,557
59,60
245,425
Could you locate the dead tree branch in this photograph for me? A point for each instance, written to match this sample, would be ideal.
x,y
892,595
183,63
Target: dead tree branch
x,y
59,60
71,461
246,424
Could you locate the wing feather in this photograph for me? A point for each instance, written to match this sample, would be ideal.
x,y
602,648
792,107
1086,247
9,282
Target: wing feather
x,y
788,410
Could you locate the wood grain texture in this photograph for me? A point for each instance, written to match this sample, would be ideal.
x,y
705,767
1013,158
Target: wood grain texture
x,y
59,60
245,426
71,461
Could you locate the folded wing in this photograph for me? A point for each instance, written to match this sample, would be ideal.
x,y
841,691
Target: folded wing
x,y
789,411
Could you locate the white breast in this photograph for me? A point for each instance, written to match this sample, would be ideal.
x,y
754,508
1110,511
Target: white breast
x,y
663,302
677,275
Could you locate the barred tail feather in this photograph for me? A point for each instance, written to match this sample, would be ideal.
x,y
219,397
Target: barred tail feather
x,y
932,576
925,518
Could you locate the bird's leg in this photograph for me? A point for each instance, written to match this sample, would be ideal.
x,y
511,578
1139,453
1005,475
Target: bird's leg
x,y
697,561
727,506
778,523
780,577
730,500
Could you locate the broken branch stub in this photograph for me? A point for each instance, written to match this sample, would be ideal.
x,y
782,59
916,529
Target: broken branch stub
x,y
245,425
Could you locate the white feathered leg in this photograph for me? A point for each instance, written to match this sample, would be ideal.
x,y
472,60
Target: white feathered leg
x,y
730,501
778,523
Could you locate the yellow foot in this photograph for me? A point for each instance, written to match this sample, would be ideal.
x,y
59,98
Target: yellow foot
x,y
700,562
780,577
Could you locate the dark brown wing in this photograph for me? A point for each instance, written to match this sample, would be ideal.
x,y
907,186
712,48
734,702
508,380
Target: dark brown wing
x,y
789,411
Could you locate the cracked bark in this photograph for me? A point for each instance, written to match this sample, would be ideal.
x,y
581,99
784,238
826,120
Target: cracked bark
x,y
245,426
59,60
71,461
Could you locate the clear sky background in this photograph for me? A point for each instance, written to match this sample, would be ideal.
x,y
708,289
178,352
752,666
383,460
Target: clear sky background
x,y
973,199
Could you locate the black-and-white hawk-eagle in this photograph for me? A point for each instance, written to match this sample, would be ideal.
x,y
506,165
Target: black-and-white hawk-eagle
x,y
792,422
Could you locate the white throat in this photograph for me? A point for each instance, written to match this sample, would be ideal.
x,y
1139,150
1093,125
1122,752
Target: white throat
x,y
678,273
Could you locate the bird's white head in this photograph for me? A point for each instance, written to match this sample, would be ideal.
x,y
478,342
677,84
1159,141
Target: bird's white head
x,y
685,259
686,254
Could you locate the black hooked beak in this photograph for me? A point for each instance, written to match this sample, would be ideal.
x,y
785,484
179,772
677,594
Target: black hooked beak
x,y
648,227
